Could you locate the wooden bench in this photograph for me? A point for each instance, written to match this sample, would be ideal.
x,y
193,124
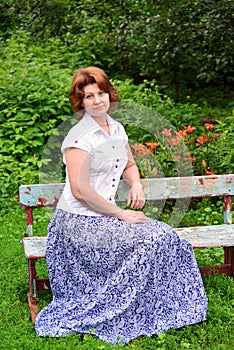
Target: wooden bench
x,y
47,195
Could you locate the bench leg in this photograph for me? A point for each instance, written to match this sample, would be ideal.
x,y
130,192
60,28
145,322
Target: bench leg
x,y
32,293
229,258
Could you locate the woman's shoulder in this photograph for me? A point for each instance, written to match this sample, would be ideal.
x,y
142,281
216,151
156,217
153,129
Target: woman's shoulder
x,y
81,128
80,131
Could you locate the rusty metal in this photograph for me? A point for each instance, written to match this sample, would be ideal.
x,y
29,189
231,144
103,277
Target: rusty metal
x,y
227,209
229,258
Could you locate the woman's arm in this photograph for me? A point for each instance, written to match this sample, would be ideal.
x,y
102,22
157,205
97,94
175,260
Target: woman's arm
x,y
136,196
78,163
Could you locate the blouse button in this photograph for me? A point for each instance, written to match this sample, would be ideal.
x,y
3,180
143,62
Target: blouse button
x,y
117,160
116,166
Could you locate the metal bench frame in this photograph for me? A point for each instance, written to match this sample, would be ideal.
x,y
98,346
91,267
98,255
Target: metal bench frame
x,y
47,195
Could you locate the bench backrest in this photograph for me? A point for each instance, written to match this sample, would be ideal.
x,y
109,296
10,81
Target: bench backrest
x,y
42,195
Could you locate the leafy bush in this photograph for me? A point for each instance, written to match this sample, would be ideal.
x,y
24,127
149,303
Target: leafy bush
x,y
34,100
175,136
34,87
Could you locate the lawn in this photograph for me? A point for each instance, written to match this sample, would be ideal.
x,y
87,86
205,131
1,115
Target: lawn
x,y
17,332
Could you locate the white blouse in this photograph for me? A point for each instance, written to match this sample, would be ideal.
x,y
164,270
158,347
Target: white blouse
x,y
109,157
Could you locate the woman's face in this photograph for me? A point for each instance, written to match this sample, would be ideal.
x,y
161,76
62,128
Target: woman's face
x,y
96,101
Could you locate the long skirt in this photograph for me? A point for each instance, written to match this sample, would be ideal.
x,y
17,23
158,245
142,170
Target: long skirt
x,y
119,280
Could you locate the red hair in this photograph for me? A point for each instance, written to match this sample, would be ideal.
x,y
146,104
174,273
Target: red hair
x,y
86,76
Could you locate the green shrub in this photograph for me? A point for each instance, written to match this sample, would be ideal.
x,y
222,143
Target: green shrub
x,y
34,100
34,87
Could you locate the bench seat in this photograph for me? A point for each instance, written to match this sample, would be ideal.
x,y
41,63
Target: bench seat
x,y
208,236
200,237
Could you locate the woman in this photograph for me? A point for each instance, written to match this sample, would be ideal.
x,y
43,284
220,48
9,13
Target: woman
x,y
114,273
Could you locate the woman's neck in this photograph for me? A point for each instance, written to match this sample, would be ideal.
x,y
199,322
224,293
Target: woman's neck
x,y
103,124
101,120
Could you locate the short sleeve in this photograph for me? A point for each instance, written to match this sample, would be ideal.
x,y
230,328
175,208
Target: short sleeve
x,y
81,143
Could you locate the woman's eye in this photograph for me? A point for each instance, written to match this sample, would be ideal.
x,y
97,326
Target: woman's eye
x,y
89,96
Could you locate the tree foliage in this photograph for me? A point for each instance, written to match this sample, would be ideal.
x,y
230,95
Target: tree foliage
x,y
180,43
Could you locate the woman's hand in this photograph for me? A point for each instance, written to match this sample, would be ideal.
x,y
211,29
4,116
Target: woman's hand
x,y
136,197
132,216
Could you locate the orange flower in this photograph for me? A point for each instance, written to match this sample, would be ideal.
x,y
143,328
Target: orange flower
x,y
202,140
203,163
189,128
217,135
151,145
175,141
167,132
209,126
209,172
141,149
189,158
182,133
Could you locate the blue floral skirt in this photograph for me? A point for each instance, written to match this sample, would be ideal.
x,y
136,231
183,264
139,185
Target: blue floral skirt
x,y
119,280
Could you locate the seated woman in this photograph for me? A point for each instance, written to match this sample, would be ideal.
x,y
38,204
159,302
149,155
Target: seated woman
x,y
114,273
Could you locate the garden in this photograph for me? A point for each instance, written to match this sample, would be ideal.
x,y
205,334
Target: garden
x,y
177,107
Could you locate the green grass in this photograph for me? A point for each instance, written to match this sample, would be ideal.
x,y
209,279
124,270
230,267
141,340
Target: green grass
x,y
17,332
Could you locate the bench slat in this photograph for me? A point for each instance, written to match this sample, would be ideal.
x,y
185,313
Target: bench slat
x,y
208,236
40,195
155,189
200,237
182,187
35,246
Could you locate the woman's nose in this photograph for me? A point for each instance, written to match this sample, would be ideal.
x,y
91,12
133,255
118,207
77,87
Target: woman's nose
x,y
97,99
